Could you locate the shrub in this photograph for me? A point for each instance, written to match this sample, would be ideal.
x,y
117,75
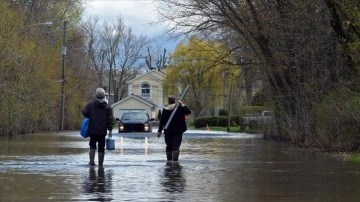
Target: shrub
x,y
223,112
254,125
221,121
337,121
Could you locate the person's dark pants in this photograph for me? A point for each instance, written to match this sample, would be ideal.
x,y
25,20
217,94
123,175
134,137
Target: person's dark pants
x,y
173,140
100,140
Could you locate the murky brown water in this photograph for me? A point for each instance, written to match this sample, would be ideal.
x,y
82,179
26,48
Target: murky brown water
x,y
213,167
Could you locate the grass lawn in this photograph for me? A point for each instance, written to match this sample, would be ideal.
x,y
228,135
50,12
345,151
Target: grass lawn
x,y
354,157
217,128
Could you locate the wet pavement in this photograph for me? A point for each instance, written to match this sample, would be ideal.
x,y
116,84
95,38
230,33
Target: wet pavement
x,y
214,166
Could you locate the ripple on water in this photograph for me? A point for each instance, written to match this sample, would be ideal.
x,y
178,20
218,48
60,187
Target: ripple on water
x,y
213,167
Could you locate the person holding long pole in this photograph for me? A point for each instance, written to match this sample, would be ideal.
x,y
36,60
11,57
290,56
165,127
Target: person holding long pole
x,y
173,122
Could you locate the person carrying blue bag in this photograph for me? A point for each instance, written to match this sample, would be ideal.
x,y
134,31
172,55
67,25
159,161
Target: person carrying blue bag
x,y
84,128
100,122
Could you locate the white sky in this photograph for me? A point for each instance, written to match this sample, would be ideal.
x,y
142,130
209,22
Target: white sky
x,y
139,15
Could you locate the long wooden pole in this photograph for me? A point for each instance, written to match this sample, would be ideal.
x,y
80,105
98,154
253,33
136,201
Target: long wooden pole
x,y
177,105
63,53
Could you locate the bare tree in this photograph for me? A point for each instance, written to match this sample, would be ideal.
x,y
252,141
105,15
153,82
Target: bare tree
x,y
132,51
95,52
160,62
111,36
115,53
292,41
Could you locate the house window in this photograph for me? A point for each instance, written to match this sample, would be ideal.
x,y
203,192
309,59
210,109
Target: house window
x,y
145,91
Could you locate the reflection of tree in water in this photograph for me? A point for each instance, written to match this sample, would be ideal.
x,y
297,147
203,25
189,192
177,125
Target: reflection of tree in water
x,y
173,180
98,185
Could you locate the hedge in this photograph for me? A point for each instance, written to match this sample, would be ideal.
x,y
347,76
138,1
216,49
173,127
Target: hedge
x,y
221,121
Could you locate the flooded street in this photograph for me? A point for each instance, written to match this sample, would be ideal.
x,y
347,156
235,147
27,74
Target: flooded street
x,y
212,167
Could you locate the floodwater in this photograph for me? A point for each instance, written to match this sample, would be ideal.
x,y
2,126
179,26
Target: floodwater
x,y
213,167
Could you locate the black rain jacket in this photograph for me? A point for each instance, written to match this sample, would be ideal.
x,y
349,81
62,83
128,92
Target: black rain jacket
x,y
100,116
178,122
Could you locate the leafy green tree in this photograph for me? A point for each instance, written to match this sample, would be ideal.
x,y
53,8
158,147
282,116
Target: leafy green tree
x,y
31,66
10,43
201,65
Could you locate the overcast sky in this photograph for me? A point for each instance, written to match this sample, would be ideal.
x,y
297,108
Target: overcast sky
x,y
140,15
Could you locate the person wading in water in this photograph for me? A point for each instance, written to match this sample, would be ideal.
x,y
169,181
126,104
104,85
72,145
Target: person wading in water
x,y
101,120
175,129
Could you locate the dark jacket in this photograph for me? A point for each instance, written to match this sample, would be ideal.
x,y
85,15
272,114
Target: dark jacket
x,y
178,122
100,116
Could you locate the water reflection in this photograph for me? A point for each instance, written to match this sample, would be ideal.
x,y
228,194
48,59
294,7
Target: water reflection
x,y
146,147
213,168
121,145
129,144
173,180
97,185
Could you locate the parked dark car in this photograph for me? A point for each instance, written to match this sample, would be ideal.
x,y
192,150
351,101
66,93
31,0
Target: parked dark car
x,y
134,122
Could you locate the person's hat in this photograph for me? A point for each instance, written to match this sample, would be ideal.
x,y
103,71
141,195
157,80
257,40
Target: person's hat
x,y
100,93
171,99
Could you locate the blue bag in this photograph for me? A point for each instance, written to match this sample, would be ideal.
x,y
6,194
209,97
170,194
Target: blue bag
x,y
110,143
84,128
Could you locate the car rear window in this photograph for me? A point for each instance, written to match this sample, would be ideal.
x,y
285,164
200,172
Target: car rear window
x,y
134,116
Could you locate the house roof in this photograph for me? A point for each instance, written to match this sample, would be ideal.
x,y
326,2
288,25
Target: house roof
x,y
148,74
136,97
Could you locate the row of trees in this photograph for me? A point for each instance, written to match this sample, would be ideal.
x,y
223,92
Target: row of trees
x,y
98,54
307,51
30,65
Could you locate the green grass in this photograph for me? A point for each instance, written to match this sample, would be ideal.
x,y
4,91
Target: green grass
x,y
217,128
353,157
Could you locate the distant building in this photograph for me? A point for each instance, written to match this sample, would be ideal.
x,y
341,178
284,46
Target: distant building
x,y
145,93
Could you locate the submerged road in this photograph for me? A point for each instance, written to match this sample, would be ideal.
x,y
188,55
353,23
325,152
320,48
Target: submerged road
x,y
213,166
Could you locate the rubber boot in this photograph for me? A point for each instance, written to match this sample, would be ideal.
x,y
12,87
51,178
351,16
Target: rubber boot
x,y
176,155
92,157
169,156
101,158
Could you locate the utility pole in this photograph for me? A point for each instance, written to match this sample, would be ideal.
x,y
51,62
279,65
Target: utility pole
x,y
63,54
230,98
110,78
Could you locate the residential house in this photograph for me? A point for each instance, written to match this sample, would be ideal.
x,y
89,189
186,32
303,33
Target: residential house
x,y
145,93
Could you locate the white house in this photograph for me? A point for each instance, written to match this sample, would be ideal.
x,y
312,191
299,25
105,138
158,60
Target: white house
x,y
145,93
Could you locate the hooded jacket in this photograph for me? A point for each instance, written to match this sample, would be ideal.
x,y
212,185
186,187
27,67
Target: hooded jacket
x,y
178,122
100,116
